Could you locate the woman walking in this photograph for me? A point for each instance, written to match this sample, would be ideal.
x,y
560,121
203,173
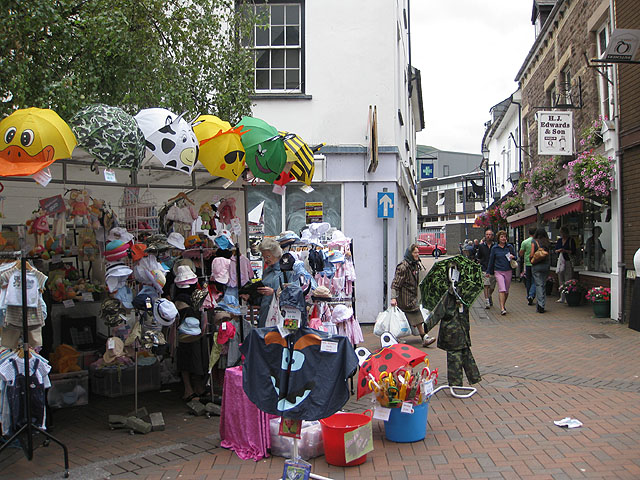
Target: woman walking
x,y
565,247
541,268
500,266
405,294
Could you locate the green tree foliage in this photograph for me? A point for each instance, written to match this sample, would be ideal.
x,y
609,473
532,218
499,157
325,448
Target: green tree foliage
x,y
182,55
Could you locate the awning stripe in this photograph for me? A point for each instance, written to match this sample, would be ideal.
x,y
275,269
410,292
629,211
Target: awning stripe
x,y
576,206
524,221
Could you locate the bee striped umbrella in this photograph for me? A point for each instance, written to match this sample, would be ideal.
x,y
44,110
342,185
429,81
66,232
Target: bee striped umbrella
x,y
301,156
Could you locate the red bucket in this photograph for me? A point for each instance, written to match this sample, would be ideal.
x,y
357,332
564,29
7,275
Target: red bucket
x,y
333,430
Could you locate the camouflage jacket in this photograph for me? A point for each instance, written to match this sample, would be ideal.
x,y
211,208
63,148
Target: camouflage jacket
x,y
454,325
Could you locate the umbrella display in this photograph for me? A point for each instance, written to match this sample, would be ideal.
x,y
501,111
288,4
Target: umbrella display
x,y
111,135
388,360
436,283
170,138
32,139
264,148
301,156
221,149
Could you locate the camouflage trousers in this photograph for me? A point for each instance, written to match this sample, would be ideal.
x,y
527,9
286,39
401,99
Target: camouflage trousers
x,y
459,360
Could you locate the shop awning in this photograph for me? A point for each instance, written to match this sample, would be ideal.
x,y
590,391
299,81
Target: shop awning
x,y
561,206
524,217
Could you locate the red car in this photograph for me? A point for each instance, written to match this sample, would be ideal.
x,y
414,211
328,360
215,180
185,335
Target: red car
x,y
426,248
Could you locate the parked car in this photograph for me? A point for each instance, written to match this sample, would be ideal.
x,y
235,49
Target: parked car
x,y
426,248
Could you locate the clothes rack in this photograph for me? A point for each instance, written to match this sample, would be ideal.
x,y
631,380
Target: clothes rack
x,y
29,427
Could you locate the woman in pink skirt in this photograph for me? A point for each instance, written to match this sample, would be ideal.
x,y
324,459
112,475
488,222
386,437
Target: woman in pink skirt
x,y
500,265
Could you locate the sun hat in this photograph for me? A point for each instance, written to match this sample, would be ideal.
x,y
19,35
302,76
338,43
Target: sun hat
x,y
159,277
176,240
336,256
185,277
193,241
112,354
164,311
341,313
338,238
116,275
190,326
220,270
230,304
223,240
115,250
125,295
137,251
157,243
110,311
226,331
287,238
322,292
119,233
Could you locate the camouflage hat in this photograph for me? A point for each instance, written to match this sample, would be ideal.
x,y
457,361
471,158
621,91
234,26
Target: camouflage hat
x,y
198,297
111,312
157,243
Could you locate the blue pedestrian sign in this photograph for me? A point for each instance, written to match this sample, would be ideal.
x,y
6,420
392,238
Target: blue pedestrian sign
x,y
385,204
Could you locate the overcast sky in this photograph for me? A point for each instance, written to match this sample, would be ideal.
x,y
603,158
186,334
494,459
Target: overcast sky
x,y
468,52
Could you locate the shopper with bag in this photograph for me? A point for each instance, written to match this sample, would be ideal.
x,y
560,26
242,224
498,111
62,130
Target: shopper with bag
x,y
271,276
540,265
566,249
500,264
405,293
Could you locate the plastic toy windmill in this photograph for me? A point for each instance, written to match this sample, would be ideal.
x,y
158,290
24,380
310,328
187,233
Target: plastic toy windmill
x,y
32,139
221,149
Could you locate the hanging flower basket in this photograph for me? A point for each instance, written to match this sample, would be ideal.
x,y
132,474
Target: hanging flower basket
x,y
543,179
590,176
591,137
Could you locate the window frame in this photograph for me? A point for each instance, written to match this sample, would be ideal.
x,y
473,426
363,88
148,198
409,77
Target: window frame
x,y
605,89
300,48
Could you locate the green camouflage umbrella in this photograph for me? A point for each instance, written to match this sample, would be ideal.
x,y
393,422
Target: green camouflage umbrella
x,y
264,149
110,134
436,283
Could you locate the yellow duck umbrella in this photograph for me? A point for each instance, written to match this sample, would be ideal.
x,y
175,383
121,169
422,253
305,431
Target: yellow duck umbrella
x,y
32,139
221,150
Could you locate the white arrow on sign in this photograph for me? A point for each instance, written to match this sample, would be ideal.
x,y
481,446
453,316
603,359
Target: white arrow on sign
x,y
387,203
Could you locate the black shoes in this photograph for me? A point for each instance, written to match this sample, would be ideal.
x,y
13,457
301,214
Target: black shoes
x,y
530,300
539,309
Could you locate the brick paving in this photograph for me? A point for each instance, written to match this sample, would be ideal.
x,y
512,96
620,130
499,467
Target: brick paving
x,y
536,369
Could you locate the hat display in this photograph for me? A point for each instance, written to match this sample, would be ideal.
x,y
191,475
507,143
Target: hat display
x,y
193,241
119,233
198,297
190,326
226,331
157,243
110,311
183,261
341,313
288,238
322,292
164,311
220,270
115,250
185,277
140,300
230,304
137,251
125,295
117,350
338,238
176,240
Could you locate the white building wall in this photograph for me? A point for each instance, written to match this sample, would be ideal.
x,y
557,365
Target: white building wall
x,y
503,152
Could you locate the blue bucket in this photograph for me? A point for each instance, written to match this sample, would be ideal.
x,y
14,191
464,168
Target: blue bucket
x,y
407,427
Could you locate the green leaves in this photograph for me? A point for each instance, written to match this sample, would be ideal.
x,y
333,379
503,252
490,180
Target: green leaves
x,y
135,54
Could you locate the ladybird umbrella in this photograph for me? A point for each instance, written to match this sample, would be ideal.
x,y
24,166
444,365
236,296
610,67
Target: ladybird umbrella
x,y
221,149
170,138
389,359
32,139
264,148
111,135
436,283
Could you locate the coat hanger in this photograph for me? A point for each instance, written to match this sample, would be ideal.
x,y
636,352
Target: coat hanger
x,y
179,196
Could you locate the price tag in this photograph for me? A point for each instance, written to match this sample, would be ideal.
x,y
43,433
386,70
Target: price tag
x,y
291,318
148,303
227,184
461,308
381,413
56,258
74,250
43,177
328,346
279,189
87,297
407,407
426,388
307,188
283,331
224,325
110,175
68,303
455,275
111,344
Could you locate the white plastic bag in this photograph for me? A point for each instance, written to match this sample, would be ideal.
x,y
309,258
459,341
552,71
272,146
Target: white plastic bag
x,y
273,316
392,320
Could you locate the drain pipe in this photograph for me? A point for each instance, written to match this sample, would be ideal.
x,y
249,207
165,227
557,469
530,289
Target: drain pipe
x,y
618,178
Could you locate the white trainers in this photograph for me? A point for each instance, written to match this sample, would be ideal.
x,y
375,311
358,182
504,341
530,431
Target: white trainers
x,y
487,303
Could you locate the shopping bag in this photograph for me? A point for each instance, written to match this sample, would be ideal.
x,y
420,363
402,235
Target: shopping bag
x,y
392,320
382,323
273,316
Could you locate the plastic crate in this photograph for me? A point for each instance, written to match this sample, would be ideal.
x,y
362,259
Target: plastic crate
x,y
68,389
116,382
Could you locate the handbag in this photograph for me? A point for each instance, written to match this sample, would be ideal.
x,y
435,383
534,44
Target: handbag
x,y
540,255
513,263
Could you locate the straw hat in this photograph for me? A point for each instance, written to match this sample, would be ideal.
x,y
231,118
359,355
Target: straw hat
x,y
112,354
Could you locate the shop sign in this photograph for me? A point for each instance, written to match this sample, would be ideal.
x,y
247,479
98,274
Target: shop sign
x,y
623,45
358,442
313,212
555,133
256,229
52,205
426,170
